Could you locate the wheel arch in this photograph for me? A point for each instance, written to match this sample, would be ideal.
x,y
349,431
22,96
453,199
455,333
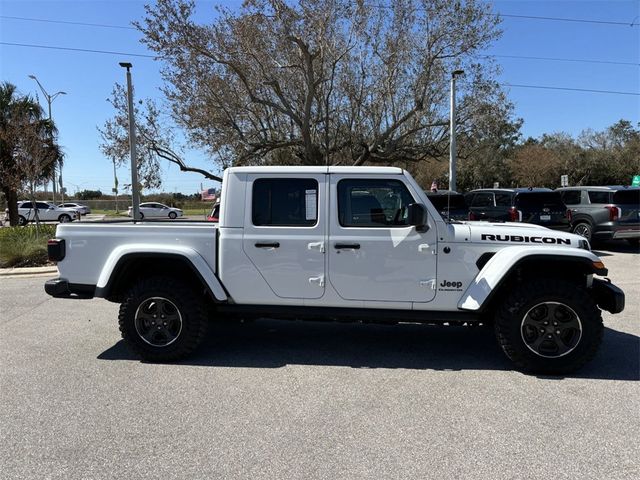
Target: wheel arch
x,y
505,268
123,271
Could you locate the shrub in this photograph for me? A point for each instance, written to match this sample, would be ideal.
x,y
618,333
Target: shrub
x,y
24,246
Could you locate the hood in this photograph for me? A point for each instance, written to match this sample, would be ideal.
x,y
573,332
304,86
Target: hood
x,y
512,234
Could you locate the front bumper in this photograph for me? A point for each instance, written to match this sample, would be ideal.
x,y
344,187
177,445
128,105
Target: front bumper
x,y
607,296
61,288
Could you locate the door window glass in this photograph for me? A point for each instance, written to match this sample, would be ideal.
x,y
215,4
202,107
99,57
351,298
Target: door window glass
x,y
285,202
571,197
373,203
599,197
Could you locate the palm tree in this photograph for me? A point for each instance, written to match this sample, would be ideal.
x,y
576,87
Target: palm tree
x,y
28,147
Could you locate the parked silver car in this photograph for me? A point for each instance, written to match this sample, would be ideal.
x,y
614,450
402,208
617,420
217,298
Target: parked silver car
x,y
47,212
83,209
156,210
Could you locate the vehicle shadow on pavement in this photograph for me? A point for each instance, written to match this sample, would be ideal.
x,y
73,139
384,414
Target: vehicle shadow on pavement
x,y
615,246
277,343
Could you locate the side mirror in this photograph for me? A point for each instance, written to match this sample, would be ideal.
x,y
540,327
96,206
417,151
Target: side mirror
x,y
417,216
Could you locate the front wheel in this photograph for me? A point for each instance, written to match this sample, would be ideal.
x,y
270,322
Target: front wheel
x,y
549,326
162,319
22,221
173,215
64,218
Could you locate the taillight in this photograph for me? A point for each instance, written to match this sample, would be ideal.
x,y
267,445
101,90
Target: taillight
x,y
55,249
472,216
614,212
569,215
513,215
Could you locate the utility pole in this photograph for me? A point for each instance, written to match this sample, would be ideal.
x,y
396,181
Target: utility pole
x,y
135,197
50,99
115,184
452,132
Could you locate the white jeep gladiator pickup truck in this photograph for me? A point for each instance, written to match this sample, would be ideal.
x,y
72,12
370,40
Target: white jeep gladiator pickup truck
x,y
345,243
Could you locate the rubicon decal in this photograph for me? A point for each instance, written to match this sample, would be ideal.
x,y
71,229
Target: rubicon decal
x,y
525,239
448,286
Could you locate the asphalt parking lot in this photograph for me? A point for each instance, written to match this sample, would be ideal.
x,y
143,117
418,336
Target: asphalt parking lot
x,y
275,399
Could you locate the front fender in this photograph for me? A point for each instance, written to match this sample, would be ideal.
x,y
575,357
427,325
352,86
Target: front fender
x,y
498,268
125,252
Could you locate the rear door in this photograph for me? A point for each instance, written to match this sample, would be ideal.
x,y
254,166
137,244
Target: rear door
x,y
373,253
284,233
543,208
628,203
483,207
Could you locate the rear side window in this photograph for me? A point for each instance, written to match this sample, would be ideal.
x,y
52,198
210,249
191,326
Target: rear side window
x,y
373,203
627,197
285,202
483,199
539,199
42,205
599,197
571,197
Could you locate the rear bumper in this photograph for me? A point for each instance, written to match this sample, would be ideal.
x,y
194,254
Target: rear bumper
x,y
607,296
61,288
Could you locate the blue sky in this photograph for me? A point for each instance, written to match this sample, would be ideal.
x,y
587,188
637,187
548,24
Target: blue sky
x,y
88,77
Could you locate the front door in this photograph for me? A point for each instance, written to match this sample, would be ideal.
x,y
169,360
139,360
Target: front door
x,y
373,253
284,234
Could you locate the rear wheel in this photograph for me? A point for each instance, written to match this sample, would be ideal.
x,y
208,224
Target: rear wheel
x,y
161,319
22,221
584,229
549,326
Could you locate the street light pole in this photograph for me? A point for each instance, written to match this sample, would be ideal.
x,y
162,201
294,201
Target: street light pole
x,y
135,198
452,132
50,99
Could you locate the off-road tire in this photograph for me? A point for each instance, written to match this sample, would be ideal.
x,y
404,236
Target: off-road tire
x,y
584,229
191,308
527,295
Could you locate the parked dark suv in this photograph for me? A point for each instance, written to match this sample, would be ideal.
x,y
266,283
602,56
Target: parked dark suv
x,y
450,204
541,206
604,213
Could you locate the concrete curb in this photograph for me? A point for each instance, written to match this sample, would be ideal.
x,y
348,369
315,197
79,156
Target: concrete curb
x,y
6,272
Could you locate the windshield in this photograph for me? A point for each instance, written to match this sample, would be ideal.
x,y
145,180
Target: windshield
x,y
453,201
539,199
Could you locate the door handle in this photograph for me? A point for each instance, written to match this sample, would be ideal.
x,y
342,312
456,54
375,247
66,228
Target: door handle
x,y
352,246
268,245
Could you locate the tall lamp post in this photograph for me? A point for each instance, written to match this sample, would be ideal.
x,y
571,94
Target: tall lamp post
x,y
50,99
452,133
135,197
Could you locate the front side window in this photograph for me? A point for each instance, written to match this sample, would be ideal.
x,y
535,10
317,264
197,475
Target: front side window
x,y
285,202
373,203
42,205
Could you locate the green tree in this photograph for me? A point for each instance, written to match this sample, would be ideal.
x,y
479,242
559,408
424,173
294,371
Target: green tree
x,y
28,147
321,81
